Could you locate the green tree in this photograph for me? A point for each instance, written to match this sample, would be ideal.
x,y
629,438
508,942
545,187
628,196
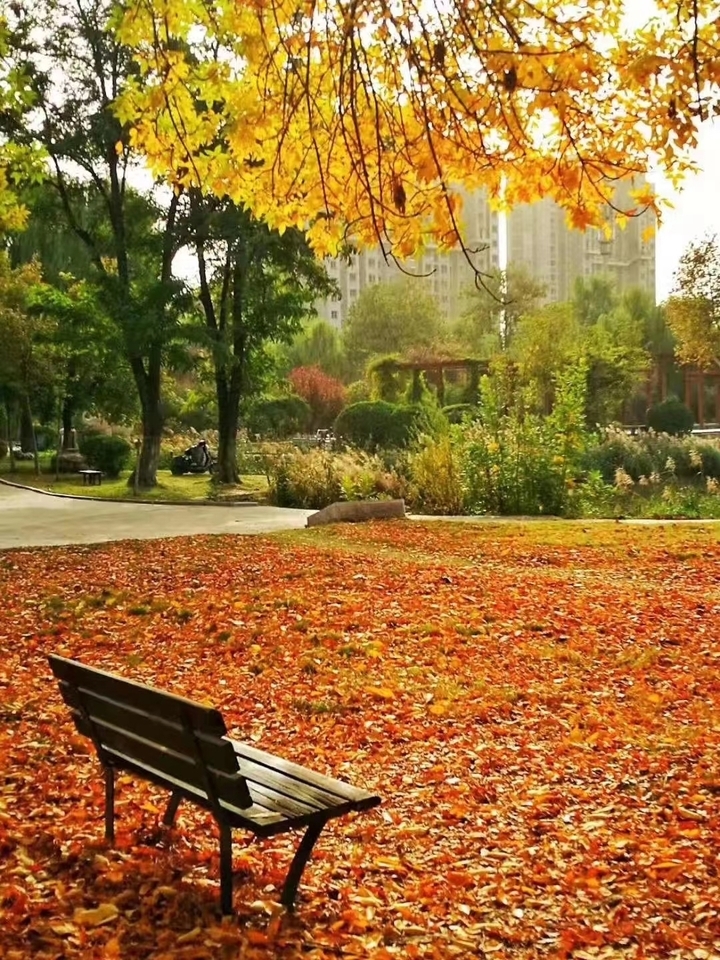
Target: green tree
x,y
25,362
256,287
593,298
91,371
545,343
493,311
390,318
317,345
79,68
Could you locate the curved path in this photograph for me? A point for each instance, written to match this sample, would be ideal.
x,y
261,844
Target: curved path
x,y
29,519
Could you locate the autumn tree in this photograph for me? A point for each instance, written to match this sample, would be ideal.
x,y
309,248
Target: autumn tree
x,y
323,394
390,318
364,120
693,310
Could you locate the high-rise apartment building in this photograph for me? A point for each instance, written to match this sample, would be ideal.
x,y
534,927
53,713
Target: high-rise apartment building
x,y
539,238
448,272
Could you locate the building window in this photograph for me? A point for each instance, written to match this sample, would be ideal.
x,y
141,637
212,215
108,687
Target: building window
x,y
353,293
333,314
371,278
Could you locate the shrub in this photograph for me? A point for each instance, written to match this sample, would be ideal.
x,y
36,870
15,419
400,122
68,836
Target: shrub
x,y
278,417
377,424
324,395
435,480
3,449
671,416
649,454
107,453
456,412
314,479
514,462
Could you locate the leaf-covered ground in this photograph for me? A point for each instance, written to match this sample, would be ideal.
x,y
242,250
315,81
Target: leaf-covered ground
x,y
537,705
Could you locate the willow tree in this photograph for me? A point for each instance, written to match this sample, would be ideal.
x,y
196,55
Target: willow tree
x,y
359,119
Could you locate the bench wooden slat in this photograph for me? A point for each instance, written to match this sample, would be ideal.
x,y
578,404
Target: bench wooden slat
x,y
305,793
217,751
149,699
181,768
361,799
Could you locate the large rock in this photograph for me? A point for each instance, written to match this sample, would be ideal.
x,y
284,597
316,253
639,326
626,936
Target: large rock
x,y
356,511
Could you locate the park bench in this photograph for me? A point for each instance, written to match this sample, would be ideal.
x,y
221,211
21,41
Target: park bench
x,y
183,746
91,477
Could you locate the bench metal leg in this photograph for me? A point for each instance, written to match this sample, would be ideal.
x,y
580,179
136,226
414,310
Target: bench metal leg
x,y
226,877
172,809
302,855
110,804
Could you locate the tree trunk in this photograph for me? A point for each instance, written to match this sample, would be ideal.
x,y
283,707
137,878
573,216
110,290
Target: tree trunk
x,y
27,434
228,397
68,414
10,434
33,444
148,384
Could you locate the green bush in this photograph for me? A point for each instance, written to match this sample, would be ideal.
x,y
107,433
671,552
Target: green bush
x,y
3,449
108,453
671,416
456,412
518,463
377,424
278,417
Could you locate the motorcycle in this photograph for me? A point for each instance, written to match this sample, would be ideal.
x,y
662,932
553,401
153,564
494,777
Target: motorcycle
x,y
197,459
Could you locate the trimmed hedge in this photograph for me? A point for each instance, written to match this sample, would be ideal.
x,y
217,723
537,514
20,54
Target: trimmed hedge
x,y
377,424
279,417
108,453
671,416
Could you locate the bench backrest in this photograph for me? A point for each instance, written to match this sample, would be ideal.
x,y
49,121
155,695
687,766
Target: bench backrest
x,y
169,739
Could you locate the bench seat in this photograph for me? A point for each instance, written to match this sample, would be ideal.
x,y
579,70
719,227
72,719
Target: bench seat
x,y
183,746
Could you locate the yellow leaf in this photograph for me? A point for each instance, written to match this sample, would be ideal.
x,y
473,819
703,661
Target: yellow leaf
x,y
381,693
438,709
190,935
95,918
119,147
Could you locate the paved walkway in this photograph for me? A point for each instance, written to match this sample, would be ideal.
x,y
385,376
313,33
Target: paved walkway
x,y
30,519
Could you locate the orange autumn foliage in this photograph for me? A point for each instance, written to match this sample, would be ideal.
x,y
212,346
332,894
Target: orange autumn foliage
x,y
564,803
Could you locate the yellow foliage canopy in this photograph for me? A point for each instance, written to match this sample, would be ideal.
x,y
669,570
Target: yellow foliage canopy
x,y
363,120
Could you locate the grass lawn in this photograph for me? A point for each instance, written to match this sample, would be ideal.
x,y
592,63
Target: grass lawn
x,y
190,487
538,704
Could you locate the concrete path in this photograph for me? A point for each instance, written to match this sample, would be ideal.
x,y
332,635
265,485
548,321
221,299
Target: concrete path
x,y
30,519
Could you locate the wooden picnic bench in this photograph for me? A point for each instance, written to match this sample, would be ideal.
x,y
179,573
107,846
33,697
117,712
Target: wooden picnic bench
x,y
183,746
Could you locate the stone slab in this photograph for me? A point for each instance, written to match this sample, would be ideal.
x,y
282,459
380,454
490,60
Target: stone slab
x,y
358,511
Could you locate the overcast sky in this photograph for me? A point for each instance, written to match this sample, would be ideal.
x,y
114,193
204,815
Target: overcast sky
x,y
696,208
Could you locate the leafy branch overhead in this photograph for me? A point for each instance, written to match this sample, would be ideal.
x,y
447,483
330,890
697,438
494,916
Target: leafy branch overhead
x,y
362,119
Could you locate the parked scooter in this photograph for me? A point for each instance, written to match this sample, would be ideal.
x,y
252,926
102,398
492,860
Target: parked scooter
x,y
197,459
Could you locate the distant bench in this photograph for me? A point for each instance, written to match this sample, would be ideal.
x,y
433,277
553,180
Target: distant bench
x,y
182,745
91,477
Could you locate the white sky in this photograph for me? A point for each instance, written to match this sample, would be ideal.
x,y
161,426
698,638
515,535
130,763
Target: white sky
x,y
696,208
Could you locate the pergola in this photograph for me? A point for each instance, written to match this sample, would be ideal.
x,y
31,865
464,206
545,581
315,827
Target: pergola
x,y
435,369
